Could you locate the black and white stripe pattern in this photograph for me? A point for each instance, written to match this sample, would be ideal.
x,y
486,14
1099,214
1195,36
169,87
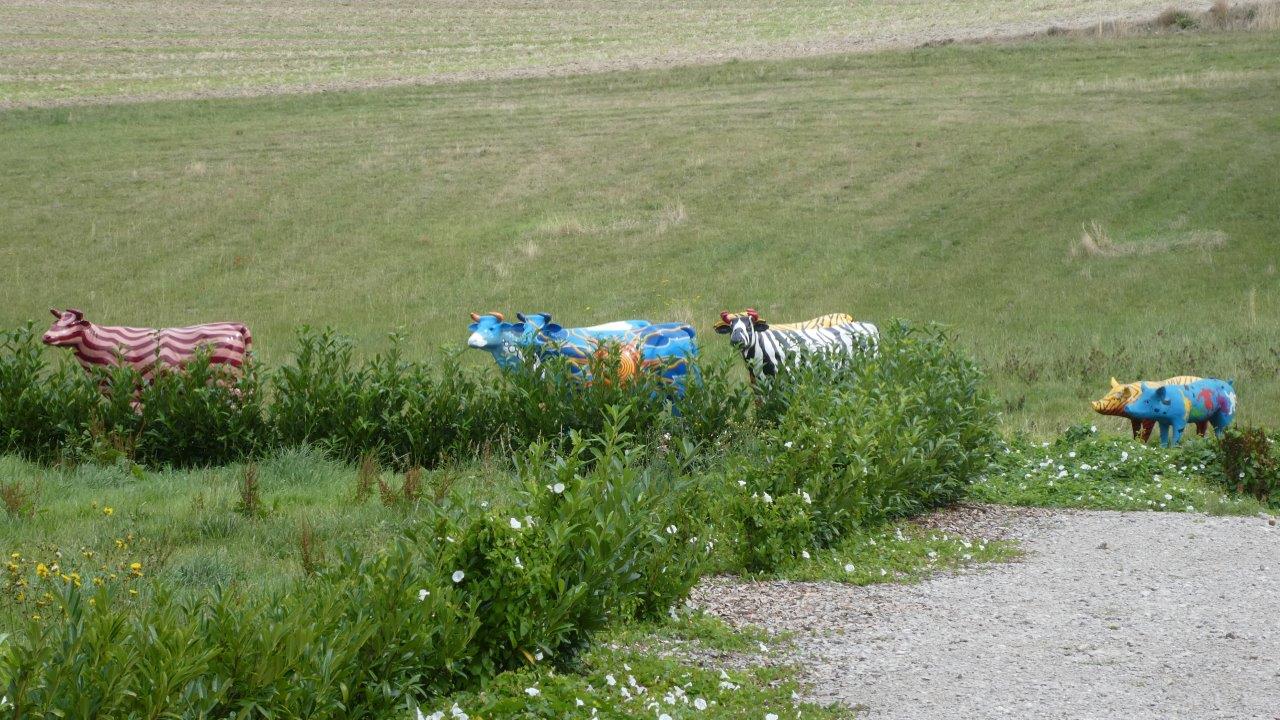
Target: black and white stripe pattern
x,y
766,350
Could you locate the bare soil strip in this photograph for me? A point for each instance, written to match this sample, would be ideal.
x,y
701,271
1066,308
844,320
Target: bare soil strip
x,y
64,54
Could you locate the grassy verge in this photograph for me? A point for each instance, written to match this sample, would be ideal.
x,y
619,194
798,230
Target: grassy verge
x,y
645,671
1083,469
947,183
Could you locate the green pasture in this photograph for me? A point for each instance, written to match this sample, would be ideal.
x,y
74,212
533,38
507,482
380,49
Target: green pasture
x,y
949,184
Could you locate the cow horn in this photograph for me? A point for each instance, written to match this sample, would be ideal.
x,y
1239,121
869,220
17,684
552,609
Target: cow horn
x,y
498,315
474,317
724,316
753,314
55,313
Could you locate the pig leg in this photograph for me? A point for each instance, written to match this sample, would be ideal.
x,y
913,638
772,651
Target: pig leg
x,y
1178,429
1136,425
1164,434
1200,427
1220,423
1147,427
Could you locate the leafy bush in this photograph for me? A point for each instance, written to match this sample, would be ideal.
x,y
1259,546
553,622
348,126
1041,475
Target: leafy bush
x,y
468,592
885,436
1248,464
401,412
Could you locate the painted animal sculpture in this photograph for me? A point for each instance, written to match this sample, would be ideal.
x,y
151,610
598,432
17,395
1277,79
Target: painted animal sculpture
x,y
148,349
1172,407
767,348
664,348
1114,402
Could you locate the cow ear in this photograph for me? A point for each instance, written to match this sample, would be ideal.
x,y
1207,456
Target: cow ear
x,y
79,316
722,329
520,316
54,312
761,325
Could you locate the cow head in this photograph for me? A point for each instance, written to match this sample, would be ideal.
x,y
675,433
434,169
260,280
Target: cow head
x,y
68,329
487,331
533,325
1114,402
741,327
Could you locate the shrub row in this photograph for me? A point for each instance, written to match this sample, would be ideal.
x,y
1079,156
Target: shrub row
x,y
404,413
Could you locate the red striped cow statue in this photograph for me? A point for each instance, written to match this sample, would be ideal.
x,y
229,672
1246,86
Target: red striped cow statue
x,y
146,349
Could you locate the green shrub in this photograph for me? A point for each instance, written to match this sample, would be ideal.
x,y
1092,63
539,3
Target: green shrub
x,y
1248,464
887,435
469,591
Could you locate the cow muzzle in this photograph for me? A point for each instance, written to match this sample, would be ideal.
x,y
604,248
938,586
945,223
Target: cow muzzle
x,y
476,341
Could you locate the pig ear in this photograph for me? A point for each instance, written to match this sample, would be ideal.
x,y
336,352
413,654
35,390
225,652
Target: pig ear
x,y
54,312
1114,384
1161,392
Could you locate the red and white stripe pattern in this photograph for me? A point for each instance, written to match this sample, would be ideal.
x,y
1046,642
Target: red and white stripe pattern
x,y
146,349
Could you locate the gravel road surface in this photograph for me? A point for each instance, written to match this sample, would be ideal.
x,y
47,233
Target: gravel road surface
x,y
1109,615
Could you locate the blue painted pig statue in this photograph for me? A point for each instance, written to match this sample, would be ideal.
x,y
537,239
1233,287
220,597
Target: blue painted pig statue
x,y
1174,406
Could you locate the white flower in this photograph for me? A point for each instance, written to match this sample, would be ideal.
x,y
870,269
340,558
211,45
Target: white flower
x,y
664,716
610,680
578,702
1071,454
804,554
456,711
538,655
671,529
437,715
787,444
458,575
848,567
532,691
519,564
422,594
557,488
1093,428
742,483
770,716
1167,496
768,498
883,572
806,497
700,703
515,524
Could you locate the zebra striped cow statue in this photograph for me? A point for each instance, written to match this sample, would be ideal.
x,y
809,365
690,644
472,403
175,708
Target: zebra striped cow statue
x,y
767,348
148,349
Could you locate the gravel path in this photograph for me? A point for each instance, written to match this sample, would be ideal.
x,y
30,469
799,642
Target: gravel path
x,y
1110,615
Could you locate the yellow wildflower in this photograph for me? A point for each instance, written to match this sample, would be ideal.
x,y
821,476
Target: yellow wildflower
x,y
97,582
133,592
119,543
135,569
75,579
13,567
35,617
16,556
108,510
42,570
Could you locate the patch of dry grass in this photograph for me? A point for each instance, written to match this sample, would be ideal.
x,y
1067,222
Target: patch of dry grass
x,y
1096,242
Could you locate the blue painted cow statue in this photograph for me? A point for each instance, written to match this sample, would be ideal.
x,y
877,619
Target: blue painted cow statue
x,y
1174,406
662,348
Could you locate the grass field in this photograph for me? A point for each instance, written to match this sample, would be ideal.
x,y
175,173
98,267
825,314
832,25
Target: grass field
x,y
56,52
946,184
